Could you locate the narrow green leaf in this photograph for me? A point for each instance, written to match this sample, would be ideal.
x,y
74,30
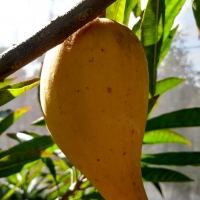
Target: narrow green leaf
x,y
116,11
13,159
94,196
152,102
137,10
22,136
173,8
63,187
157,185
155,28
61,164
164,136
12,179
14,137
167,44
167,84
32,134
129,6
5,113
41,142
172,158
136,28
189,117
35,169
39,122
152,29
196,12
6,82
10,92
12,118
49,163
10,192
163,175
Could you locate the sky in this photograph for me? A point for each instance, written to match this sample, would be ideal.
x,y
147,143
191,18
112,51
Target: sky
x,y
22,18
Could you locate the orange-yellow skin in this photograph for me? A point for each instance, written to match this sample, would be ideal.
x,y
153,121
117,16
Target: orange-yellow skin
x,y
94,95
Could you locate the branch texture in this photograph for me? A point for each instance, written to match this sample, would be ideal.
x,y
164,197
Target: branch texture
x,y
53,34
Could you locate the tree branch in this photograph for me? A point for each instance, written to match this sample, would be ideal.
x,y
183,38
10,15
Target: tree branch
x,y
53,34
76,187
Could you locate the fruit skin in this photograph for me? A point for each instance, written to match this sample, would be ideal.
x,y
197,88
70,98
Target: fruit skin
x,y
94,95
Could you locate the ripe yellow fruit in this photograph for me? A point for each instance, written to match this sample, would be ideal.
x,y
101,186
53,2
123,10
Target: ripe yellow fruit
x,y
94,95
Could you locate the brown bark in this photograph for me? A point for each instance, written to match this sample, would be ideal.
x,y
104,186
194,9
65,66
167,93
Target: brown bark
x,y
53,34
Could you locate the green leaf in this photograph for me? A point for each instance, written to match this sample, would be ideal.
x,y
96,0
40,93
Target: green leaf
x,y
163,175
10,92
12,118
63,187
12,179
167,84
157,22
172,158
137,10
13,159
39,122
61,164
31,134
158,188
152,29
136,28
5,113
189,117
10,192
172,10
164,136
196,12
6,82
167,44
22,136
14,136
129,6
93,196
116,11
152,102
49,163
34,169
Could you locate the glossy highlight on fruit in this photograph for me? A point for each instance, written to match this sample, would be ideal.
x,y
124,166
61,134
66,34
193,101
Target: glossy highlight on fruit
x,y
94,96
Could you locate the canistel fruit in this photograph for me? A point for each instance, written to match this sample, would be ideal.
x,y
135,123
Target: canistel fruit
x,y
94,96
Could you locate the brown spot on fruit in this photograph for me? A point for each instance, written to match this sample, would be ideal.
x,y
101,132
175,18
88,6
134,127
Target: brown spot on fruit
x,y
109,90
91,60
124,153
102,49
132,131
98,159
